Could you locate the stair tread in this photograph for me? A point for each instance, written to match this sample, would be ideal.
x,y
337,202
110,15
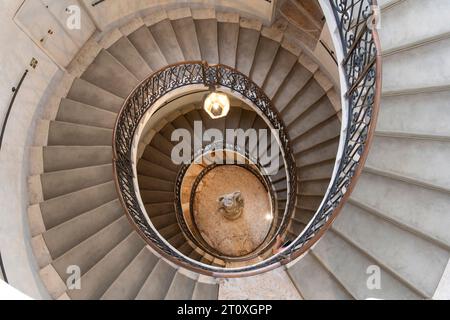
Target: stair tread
x,y
158,282
228,42
411,257
86,254
144,42
182,288
248,42
107,73
166,39
58,183
187,38
207,38
99,278
124,51
129,282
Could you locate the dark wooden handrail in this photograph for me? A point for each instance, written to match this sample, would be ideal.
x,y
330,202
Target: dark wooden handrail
x,y
15,91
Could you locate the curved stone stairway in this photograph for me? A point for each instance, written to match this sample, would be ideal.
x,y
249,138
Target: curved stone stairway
x,y
397,218
76,218
398,215
157,172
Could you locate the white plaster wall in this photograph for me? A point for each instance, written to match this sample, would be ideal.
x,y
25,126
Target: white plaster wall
x,y
16,52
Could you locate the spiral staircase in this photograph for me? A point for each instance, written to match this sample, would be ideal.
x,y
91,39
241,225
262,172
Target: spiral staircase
x,y
395,219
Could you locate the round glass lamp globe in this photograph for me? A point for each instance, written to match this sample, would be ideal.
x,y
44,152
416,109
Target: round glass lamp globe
x,y
217,105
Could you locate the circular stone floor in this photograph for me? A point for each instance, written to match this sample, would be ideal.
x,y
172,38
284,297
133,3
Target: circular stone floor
x,y
243,235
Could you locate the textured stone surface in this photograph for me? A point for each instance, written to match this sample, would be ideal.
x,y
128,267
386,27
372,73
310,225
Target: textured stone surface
x,y
273,285
232,237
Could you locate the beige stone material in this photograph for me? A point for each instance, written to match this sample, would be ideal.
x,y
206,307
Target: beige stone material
x,y
40,250
308,63
229,17
53,282
109,38
155,17
41,133
35,189
203,13
179,13
37,226
84,57
232,237
323,80
273,285
251,24
131,26
36,161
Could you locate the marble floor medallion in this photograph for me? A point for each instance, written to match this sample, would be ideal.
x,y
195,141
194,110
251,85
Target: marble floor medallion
x,y
232,210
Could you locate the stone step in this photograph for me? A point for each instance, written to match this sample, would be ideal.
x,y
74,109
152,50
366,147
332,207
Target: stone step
x,y
422,113
58,183
59,210
318,153
158,282
67,235
407,13
187,38
426,66
310,94
57,158
79,113
182,288
158,209
153,155
149,183
314,282
405,254
281,68
246,50
150,169
315,116
328,130
165,220
228,37
162,144
144,42
322,170
205,291
100,277
87,93
409,205
86,254
166,39
353,269
157,196
170,231
125,52
70,134
109,74
129,282
295,81
424,160
264,57
207,34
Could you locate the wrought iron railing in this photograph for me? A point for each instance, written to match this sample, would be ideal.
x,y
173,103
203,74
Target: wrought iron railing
x,y
144,97
362,70
356,21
